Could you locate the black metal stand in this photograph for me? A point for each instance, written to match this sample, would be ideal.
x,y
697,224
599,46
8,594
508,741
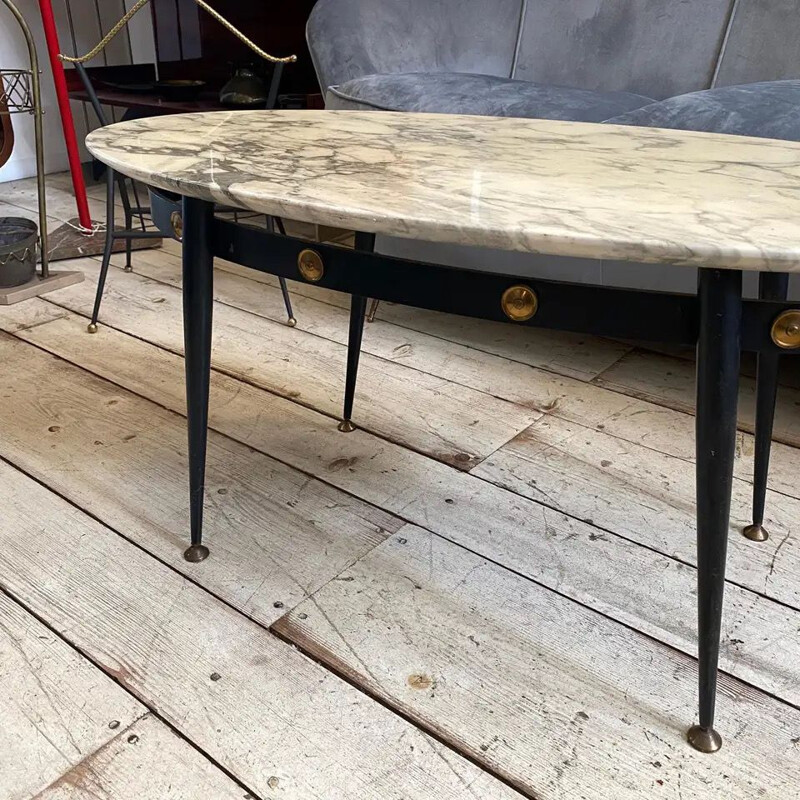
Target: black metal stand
x,y
718,357
771,286
198,294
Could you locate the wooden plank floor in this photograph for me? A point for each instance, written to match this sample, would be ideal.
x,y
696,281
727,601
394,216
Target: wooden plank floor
x,y
486,591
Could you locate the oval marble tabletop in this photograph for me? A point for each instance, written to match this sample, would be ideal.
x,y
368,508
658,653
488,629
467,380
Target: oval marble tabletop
x,y
561,188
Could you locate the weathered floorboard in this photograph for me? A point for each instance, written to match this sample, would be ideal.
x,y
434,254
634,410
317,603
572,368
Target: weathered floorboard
x,y
421,411
56,708
60,202
252,703
647,497
146,761
670,382
276,534
561,700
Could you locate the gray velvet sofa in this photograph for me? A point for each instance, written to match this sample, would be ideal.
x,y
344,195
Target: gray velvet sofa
x,y
729,66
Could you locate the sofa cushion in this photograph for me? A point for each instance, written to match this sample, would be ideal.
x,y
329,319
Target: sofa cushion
x,y
770,109
484,95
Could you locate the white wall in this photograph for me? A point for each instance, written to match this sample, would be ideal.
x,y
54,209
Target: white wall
x,y
14,54
81,24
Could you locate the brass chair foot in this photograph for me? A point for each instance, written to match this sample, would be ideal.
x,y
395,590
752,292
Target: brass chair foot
x,y
706,740
92,327
196,553
127,269
291,322
756,533
346,426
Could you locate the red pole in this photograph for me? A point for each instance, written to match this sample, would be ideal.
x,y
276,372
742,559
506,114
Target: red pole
x,y
67,123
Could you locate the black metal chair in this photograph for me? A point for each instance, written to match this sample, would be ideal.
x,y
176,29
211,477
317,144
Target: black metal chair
x,y
116,182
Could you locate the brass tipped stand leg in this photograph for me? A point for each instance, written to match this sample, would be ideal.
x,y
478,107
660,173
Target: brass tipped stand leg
x,y
771,286
718,358
198,293
196,553
365,242
706,740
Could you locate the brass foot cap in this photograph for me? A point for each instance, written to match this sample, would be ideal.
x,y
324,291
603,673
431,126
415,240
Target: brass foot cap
x,y
345,426
91,327
127,269
196,553
291,322
706,740
756,533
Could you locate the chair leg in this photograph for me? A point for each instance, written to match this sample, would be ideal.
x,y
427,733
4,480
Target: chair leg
x,y
358,306
718,358
198,285
109,246
771,286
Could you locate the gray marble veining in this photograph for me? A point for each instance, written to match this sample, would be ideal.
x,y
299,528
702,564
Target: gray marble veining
x,y
561,188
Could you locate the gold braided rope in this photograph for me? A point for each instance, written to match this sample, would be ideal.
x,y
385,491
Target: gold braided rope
x,y
217,16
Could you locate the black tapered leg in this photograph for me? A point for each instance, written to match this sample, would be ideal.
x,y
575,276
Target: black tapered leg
x,y
287,301
771,286
358,309
272,224
107,250
718,359
198,280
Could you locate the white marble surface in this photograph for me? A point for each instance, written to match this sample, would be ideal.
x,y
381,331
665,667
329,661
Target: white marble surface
x,y
575,189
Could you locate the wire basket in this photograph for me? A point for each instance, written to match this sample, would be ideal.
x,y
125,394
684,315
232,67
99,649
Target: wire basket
x,y
16,91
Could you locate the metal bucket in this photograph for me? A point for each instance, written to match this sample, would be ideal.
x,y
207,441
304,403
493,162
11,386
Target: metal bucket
x,y
18,239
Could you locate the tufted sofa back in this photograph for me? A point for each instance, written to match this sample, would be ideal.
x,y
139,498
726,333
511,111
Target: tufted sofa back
x,y
352,38
658,48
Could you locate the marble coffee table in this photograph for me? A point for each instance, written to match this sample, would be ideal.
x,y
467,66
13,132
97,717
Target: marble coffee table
x,y
721,203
